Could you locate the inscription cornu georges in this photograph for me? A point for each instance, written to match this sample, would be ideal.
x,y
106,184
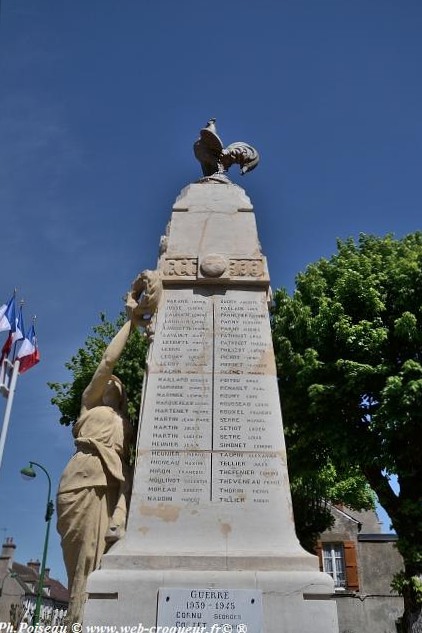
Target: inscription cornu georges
x,y
211,425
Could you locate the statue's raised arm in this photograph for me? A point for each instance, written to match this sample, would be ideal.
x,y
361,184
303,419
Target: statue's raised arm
x,y
102,380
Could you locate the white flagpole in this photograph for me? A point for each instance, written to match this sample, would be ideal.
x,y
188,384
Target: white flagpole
x,y
8,410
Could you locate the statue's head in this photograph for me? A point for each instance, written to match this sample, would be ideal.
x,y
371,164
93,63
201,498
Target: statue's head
x,y
115,395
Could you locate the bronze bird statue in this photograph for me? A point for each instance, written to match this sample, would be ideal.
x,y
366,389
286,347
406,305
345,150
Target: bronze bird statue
x,y
210,152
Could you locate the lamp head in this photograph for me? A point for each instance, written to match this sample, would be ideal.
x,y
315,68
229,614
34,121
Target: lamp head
x,y
28,472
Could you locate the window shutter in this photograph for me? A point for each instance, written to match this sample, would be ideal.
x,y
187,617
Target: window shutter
x,y
350,560
318,552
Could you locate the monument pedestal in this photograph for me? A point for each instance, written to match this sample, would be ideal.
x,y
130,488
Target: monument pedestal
x,y
292,601
210,537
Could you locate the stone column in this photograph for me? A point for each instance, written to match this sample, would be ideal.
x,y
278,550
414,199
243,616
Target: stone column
x,y
210,532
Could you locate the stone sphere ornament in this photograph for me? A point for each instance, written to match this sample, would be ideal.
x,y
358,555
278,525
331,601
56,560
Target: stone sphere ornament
x,y
213,265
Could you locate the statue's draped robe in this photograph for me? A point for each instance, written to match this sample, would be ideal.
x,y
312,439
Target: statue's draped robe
x,y
90,488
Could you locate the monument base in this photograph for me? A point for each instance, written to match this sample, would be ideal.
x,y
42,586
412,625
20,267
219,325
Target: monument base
x,y
292,602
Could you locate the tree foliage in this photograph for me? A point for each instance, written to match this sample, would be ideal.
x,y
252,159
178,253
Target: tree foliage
x,y
130,370
316,484
349,355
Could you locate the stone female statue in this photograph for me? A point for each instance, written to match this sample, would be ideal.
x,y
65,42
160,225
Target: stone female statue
x,y
93,491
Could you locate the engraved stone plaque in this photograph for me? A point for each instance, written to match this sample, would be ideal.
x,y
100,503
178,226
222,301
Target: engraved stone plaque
x,y
211,455
210,610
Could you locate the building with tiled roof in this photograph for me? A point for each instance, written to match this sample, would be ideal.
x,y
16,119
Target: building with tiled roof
x,y
18,591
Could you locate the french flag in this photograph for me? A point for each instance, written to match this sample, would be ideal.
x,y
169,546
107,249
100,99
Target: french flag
x,y
28,353
14,325
8,315
18,332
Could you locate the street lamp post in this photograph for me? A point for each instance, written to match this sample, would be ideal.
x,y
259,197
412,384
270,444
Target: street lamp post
x,y
30,473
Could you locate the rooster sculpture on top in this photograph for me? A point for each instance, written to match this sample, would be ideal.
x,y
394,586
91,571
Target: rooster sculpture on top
x,y
214,159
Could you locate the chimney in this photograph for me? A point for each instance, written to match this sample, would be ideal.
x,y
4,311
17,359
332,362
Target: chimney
x,y
8,548
35,565
7,554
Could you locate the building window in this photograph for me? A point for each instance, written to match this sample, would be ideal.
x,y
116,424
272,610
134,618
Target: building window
x,y
340,561
334,564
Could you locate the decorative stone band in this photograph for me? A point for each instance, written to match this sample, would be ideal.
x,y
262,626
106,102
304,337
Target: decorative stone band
x,y
180,267
214,268
247,268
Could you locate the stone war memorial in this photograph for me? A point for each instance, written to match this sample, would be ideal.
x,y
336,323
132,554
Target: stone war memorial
x,y
210,543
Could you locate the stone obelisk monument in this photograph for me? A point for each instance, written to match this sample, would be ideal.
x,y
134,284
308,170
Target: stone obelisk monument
x,y
210,540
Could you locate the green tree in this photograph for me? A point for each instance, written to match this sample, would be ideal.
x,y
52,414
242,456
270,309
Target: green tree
x,y
130,370
316,484
349,355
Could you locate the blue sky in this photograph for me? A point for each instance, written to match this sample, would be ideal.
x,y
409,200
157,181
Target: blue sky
x,y
100,103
